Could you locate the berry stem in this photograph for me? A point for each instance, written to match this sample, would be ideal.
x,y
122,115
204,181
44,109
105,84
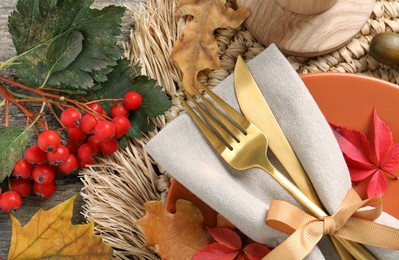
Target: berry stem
x,y
38,116
18,95
105,99
40,92
8,97
41,100
27,122
60,101
54,89
7,112
55,115
83,98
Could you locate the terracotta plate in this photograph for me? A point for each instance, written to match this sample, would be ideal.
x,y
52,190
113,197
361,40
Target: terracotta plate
x,y
347,100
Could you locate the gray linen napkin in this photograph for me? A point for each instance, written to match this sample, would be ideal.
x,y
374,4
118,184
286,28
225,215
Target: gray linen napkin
x,y
243,197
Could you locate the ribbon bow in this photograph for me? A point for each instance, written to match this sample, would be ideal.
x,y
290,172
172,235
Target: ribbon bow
x,y
347,223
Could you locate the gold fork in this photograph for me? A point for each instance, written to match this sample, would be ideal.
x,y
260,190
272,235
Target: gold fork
x,y
243,146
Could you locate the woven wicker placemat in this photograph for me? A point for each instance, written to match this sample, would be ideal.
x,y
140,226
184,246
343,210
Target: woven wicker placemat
x,y
117,187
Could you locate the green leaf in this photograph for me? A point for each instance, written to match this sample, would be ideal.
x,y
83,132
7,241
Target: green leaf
x,y
13,143
155,102
139,124
38,26
126,78
123,142
63,51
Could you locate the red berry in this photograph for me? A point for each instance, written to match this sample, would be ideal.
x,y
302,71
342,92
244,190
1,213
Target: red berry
x,y
72,146
21,186
22,169
35,155
119,109
96,107
122,125
104,130
109,147
71,117
10,201
58,156
86,153
89,122
44,190
44,173
83,164
76,134
69,165
49,140
132,100
94,142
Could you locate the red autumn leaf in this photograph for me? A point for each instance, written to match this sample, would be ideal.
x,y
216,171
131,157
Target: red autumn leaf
x,y
256,251
358,155
377,185
228,246
216,251
226,236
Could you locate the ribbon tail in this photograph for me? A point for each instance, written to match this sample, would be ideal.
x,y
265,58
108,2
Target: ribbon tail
x,y
299,244
370,233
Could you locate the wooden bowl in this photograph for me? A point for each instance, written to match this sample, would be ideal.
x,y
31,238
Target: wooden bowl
x,y
306,34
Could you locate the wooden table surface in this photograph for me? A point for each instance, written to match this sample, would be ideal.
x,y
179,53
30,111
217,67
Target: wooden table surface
x,y
66,186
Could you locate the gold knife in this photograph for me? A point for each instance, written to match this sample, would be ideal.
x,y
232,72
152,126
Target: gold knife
x,y
255,108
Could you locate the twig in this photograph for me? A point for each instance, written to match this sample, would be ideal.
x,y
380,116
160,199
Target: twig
x,y
55,115
103,100
11,99
6,112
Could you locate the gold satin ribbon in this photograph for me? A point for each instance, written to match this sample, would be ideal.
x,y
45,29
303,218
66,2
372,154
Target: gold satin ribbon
x,y
347,223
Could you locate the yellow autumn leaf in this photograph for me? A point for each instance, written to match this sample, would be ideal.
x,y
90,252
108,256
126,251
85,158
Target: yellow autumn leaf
x,y
50,234
174,236
197,50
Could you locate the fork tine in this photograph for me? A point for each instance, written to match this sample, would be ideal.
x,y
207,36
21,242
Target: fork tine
x,y
217,144
234,114
224,135
232,131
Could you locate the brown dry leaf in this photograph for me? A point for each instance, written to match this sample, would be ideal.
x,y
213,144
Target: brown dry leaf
x,y
197,49
224,222
50,234
174,236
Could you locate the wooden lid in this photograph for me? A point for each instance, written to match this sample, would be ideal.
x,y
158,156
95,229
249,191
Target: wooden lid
x,y
306,35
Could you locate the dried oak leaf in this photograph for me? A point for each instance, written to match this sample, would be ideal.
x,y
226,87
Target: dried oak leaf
x,y
50,234
174,236
197,49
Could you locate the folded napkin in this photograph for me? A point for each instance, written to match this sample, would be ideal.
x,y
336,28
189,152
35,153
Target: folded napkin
x,y
243,197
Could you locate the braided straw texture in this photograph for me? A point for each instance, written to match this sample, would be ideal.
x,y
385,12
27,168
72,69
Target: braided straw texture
x,y
117,187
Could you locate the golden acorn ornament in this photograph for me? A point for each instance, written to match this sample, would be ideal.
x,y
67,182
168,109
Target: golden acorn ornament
x,y
384,47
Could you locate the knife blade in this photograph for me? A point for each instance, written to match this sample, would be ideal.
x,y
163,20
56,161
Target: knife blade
x,y
255,108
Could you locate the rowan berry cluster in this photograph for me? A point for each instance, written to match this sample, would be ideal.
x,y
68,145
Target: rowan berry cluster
x,y
89,133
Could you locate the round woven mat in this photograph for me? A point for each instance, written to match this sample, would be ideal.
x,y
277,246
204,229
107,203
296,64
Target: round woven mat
x,y
117,187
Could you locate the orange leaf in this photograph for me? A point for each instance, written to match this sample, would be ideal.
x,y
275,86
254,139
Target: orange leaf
x,y
174,236
50,234
197,49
